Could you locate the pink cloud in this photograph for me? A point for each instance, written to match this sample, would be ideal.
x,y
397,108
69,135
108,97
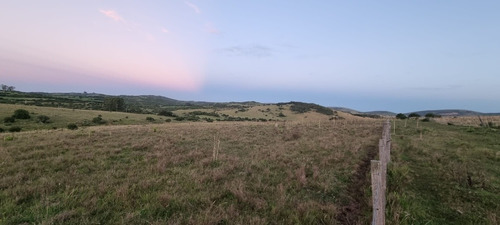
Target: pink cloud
x,y
194,7
164,30
112,15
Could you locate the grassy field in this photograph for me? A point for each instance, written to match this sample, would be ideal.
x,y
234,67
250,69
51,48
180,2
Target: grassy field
x,y
444,174
265,173
304,169
61,117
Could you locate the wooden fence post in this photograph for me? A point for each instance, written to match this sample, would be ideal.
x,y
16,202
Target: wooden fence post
x,y
379,175
378,208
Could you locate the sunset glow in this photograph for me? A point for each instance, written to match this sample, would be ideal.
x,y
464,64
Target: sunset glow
x,y
403,56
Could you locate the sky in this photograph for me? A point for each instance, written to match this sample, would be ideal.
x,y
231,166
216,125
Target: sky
x,y
399,56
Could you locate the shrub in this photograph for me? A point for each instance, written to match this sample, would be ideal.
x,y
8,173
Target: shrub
x,y
166,113
72,126
8,138
43,119
281,115
9,120
150,119
430,115
168,120
98,120
21,114
401,116
2,130
15,129
426,119
416,115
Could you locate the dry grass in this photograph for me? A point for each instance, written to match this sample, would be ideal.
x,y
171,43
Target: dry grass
x,y
266,173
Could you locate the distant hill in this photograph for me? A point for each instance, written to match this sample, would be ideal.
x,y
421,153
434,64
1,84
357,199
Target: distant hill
x,y
346,110
155,104
381,113
441,112
454,112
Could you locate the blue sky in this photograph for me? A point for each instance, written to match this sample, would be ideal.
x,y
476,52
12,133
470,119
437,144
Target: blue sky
x,y
368,55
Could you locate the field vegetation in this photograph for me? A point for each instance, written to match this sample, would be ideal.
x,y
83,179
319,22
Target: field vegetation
x,y
287,163
56,118
444,174
263,173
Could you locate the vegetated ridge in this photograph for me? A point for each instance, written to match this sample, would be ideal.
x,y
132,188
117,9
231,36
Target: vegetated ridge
x,y
440,112
155,104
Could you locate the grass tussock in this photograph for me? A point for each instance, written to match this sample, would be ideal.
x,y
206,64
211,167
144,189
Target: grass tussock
x,y
265,173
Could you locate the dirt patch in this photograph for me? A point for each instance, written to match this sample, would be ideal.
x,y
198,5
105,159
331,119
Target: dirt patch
x,y
357,199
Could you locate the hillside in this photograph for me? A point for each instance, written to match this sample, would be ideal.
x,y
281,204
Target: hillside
x,y
455,112
149,104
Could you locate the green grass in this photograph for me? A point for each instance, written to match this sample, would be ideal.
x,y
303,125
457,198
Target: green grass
x,y
449,176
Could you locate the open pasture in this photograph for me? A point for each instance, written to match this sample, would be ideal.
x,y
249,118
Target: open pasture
x,y
187,173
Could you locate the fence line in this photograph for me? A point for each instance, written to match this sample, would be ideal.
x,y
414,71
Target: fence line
x,y
379,175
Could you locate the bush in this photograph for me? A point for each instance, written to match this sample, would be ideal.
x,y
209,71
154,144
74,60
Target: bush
x,y
9,120
168,120
21,114
401,116
15,129
2,130
416,115
98,120
166,113
43,119
426,119
72,126
150,119
281,115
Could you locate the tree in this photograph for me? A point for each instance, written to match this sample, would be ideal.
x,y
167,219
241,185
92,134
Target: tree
x,y
21,114
401,116
114,104
6,88
416,115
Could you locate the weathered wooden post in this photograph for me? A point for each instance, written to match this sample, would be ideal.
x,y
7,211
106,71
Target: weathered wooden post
x,y
378,208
